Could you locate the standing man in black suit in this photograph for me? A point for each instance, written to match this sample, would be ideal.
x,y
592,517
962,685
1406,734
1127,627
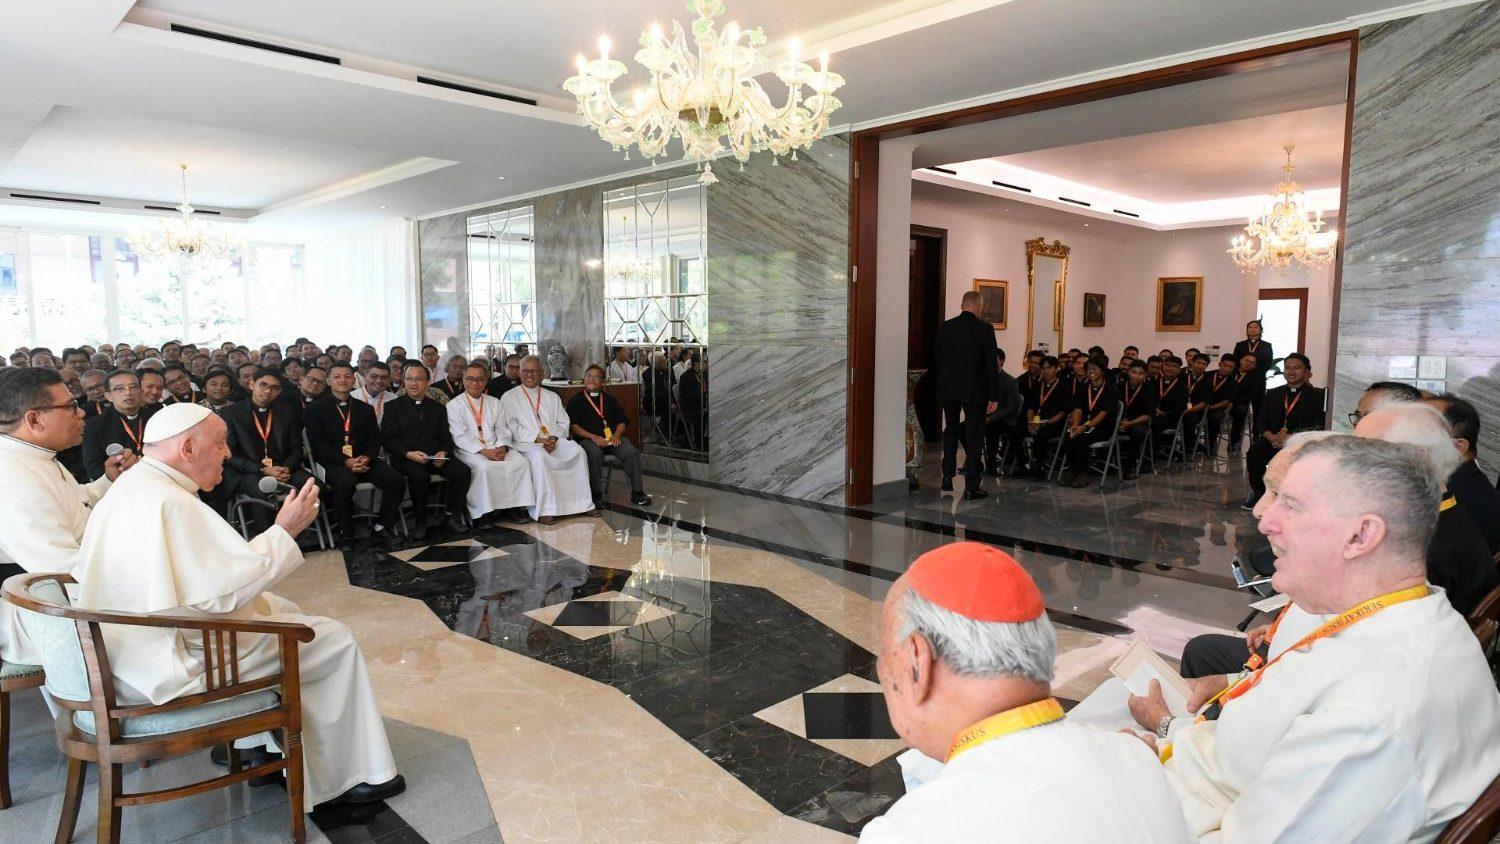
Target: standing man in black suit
x,y
123,422
968,385
1292,407
1253,345
265,441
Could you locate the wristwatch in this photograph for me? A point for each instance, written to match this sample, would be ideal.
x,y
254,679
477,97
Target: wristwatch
x,y
1164,726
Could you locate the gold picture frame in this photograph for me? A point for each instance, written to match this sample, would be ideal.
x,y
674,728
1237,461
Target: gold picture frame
x,y
1057,306
994,301
1093,310
1178,300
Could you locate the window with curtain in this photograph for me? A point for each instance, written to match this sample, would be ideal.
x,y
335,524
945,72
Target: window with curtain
x,y
63,288
502,279
656,306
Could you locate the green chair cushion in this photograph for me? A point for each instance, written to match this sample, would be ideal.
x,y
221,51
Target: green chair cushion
x,y
187,719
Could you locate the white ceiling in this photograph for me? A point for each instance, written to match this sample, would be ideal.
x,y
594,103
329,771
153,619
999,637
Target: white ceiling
x,y
98,96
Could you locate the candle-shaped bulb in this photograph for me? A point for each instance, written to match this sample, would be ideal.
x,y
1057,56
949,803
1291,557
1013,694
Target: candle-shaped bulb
x,y
604,47
583,64
823,62
793,50
655,32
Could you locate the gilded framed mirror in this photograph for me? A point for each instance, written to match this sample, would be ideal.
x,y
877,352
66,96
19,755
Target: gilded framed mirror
x,y
1047,293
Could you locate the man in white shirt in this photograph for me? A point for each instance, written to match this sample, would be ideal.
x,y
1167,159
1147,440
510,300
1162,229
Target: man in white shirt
x,y
538,427
45,509
500,479
621,369
153,547
966,665
1374,716
376,389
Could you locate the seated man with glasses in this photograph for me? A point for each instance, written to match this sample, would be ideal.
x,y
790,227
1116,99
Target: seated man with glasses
x,y
123,422
1383,394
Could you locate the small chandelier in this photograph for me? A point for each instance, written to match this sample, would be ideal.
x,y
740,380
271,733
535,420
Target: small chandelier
x,y
1285,231
706,96
628,267
184,240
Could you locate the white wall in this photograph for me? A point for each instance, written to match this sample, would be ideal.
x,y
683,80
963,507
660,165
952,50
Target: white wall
x,y
987,236
892,284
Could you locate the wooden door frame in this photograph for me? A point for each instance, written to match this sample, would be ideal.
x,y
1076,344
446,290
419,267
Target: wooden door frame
x,y
864,173
1298,293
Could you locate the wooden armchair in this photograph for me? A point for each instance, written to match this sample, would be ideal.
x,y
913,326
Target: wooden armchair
x,y
14,676
1478,823
79,678
1484,620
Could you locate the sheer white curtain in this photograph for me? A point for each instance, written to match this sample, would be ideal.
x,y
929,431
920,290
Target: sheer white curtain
x,y
361,287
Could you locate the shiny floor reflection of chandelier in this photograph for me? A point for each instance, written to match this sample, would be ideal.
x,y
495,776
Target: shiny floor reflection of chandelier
x,y
706,96
184,239
1285,231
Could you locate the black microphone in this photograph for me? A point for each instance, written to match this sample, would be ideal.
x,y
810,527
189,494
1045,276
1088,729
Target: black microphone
x,y
271,486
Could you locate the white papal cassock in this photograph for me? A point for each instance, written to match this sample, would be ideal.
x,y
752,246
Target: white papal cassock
x,y
1384,731
560,479
1060,782
152,547
41,525
493,484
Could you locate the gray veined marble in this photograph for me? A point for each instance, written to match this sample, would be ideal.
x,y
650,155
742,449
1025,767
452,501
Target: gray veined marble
x,y
444,274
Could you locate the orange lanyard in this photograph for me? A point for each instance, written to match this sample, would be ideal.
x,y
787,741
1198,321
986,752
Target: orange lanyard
x,y
265,433
1286,409
379,403
598,408
1193,383
1218,380
1093,396
536,406
1257,667
347,417
477,413
1129,396
1162,389
1044,395
134,434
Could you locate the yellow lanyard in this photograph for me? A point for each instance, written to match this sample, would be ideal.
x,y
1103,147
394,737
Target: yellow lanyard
x,y
1007,722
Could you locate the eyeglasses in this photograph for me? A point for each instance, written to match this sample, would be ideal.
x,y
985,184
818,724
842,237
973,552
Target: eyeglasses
x,y
128,388
1355,416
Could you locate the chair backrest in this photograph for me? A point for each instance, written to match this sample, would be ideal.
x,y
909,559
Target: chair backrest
x,y
1488,609
1478,823
307,455
56,639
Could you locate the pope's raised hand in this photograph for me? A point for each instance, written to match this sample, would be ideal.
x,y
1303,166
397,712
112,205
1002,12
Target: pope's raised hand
x,y
299,508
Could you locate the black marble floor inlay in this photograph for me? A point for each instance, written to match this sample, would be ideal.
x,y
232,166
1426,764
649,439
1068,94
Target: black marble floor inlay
x,y
599,614
448,553
847,715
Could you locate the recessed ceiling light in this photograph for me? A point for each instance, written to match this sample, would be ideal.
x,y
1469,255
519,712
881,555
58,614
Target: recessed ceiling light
x,y
501,178
1085,225
382,208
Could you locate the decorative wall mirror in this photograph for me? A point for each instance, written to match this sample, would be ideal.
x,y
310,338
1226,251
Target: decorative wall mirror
x,y
1047,283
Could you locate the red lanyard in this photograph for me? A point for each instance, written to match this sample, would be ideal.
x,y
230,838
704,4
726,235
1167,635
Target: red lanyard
x,y
134,434
1094,397
1162,389
1286,409
599,408
265,433
1193,383
1129,396
1045,394
1218,379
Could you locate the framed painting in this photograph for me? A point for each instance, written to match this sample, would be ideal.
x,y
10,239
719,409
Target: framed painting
x,y
1093,310
1179,303
993,304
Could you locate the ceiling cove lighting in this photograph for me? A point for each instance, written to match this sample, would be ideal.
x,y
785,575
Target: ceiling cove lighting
x,y
1285,231
706,95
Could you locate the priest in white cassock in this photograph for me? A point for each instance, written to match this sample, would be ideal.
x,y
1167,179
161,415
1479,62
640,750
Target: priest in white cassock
x,y
45,509
966,667
1374,716
500,478
152,547
538,428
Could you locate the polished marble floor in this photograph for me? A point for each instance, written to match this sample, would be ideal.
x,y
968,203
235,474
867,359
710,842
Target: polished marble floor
x,y
701,670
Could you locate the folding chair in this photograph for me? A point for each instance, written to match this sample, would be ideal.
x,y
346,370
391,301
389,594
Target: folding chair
x,y
1055,465
1111,448
1200,438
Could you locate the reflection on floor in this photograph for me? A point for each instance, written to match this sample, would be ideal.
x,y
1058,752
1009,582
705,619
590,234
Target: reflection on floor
x,y
699,672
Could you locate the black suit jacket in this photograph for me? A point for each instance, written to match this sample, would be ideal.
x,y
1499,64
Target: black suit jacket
x,y
1306,415
498,385
325,430
1009,411
408,426
109,427
1459,561
1479,500
965,361
1263,356
449,388
246,449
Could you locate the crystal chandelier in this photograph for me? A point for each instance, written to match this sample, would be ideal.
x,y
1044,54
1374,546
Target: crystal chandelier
x,y
1285,231
184,240
706,96
627,266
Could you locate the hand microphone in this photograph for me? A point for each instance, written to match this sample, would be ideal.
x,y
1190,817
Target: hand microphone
x,y
112,449
271,486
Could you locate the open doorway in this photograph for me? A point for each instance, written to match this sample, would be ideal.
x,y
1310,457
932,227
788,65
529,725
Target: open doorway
x,y
1283,319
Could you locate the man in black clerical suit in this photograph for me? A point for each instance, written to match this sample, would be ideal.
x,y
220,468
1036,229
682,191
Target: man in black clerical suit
x,y
1171,402
1140,413
1027,381
95,392
598,426
1290,408
415,431
1253,345
1045,419
265,440
123,422
345,440
1220,391
1005,421
968,387
508,379
1246,387
1092,420
179,386
1198,391
1468,483
452,382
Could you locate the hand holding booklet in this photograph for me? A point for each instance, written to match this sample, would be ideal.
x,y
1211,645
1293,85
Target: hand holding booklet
x,y
1109,705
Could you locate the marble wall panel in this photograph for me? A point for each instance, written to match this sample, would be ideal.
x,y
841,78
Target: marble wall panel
x,y
443,268
1421,270
569,293
777,421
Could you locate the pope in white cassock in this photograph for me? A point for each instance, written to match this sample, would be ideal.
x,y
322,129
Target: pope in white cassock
x,y
500,478
538,428
966,668
1375,718
45,509
152,547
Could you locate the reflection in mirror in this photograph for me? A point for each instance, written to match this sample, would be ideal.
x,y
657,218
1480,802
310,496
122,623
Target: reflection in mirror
x,y
502,280
656,308
1047,273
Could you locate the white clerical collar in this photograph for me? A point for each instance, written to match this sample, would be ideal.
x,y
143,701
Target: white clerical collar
x,y
133,418
41,451
177,477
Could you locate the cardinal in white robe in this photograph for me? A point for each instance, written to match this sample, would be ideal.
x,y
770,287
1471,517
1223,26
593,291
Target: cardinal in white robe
x,y
45,508
152,546
538,428
966,666
1374,716
500,479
